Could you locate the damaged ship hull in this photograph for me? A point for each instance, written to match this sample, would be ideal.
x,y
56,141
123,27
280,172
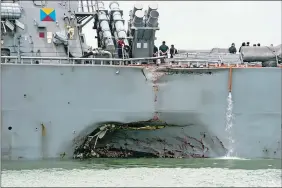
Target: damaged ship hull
x,y
49,110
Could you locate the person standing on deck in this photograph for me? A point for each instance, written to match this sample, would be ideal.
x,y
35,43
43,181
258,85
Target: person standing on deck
x,y
243,44
248,43
155,53
163,50
172,51
121,44
232,49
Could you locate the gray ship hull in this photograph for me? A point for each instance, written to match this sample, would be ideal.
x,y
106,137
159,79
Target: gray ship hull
x,y
47,110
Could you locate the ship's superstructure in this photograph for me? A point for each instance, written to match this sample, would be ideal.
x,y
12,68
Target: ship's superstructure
x,y
33,29
61,97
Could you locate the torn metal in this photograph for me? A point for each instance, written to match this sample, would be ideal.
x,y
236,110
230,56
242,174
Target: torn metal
x,y
146,139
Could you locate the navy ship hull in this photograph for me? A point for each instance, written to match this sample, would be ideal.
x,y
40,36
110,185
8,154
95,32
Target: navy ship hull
x,y
49,110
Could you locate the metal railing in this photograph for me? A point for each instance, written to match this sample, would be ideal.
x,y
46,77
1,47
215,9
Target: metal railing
x,y
206,58
223,57
74,61
191,62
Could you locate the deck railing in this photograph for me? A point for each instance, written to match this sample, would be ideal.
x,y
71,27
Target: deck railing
x,y
192,61
75,61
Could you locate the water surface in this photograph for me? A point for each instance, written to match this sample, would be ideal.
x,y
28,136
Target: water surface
x,y
143,172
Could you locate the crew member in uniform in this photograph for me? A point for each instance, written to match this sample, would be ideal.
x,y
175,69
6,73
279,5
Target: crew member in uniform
x,y
155,53
121,44
172,51
232,49
163,50
243,44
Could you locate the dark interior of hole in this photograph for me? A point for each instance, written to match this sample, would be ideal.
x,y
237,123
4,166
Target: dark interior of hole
x,y
123,140
105,149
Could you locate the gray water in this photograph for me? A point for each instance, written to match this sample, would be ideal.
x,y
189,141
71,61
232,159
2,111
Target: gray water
x,y
143,172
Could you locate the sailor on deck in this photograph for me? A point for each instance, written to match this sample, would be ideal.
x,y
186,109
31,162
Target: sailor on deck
x,y
155,53
243,44
232,49
163,50
121,45
172,51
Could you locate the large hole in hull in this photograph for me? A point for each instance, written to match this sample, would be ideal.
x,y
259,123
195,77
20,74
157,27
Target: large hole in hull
x,y
151,139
